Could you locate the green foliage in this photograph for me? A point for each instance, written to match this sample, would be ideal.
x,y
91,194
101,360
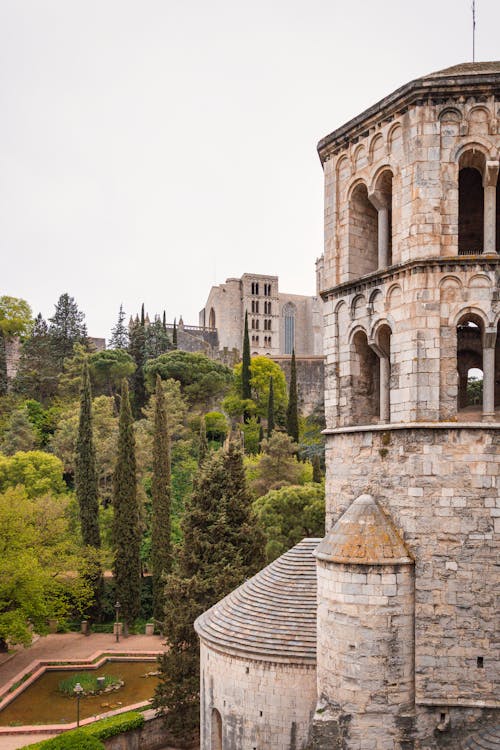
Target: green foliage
x,y
137,350
292,414
108,368
202,380
67,328
39,472
161,550
37,372
317,474
270,409
88,681
3,366
246,389
100,730
221,547
277,466
127,527
44,420
85,468
20,435
105,434
36,552
76,740
289,514
16,317
474,391
157,340
119,334
251,432
262,369
216,426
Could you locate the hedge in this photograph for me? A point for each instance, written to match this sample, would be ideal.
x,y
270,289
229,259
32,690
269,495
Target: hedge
x,y
99,730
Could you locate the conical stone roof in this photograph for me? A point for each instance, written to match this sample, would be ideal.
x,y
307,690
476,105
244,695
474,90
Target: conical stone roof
x,y
485,739
272,616
364,535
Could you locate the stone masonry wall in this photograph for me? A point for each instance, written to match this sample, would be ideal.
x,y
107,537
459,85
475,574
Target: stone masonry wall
x,y
366,651
262,704
441,488
310,382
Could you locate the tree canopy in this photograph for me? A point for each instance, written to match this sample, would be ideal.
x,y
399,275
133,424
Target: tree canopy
x,y
201,379
38,471
16,318
261,370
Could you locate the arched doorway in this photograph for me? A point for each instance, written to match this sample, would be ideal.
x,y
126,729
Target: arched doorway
x,y
216,739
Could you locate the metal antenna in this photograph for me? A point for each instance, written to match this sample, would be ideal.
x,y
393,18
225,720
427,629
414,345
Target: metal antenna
x,y
473,30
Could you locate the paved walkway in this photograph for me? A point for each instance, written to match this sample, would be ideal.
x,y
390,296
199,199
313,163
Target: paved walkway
x,y
67,646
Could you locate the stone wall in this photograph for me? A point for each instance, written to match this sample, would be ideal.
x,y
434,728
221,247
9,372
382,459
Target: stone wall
x,y
440,486
151,736
310,382
261,704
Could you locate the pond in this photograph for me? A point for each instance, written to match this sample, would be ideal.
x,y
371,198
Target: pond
x,y
42,703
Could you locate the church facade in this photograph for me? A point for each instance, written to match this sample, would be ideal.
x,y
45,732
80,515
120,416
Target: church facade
x,y
405,606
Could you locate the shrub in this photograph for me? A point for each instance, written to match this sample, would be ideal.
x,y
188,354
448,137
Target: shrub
x,y
76,740
99,730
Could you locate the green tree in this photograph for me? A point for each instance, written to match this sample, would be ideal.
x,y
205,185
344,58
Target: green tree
x,y
261,370
270,409
67,328
39,472
246,390
157,340
15,317
3,366
277,466
137,350
289,514
216,426
174,336
85,468
127,529
317,474
202,380
292,415
119,334
202,441
108,368
37,550
36,376
221,547
20,435
161,552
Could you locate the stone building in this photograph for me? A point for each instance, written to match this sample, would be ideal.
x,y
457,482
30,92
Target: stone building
x,y
407,652
277,322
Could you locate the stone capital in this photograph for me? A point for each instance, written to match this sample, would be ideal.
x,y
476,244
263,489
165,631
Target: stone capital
x,y
379,199
489,338
490,174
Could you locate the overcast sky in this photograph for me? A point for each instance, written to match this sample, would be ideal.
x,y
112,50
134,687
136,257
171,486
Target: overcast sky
x,y
152,148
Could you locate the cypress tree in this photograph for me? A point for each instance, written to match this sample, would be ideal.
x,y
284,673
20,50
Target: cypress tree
x,y
246,390
137,350
85,467
3,366
221,547
86,491
270,409
174,336
203,442
164,321
317,475
126,517
161,553
292,417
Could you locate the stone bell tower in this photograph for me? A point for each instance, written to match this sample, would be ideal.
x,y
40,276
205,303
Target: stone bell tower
x,y
412,309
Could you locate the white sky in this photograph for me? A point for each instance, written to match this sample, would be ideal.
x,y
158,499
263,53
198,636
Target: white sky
x,y
151,148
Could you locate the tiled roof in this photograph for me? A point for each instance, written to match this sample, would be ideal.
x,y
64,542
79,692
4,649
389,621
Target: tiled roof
x,y
363,535
272,616
470,68
485,739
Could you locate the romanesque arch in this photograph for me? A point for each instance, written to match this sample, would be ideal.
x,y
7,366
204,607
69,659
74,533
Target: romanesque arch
x,y
478,201
216,743
211,318
364,379
363,241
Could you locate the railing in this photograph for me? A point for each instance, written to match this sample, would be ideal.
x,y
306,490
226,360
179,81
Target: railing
x,y
469,251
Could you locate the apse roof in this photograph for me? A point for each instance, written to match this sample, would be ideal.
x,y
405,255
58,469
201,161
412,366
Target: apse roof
x,y
465,79
364,535
272,616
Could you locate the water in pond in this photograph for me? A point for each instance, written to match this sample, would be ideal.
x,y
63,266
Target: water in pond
x,y
42,703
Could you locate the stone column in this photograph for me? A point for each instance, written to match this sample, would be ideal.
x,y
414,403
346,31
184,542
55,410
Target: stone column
x,y
381,201
384,386
490,201
489,340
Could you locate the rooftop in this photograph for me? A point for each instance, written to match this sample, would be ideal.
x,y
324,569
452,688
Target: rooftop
x,y
364,535
464,79
272,616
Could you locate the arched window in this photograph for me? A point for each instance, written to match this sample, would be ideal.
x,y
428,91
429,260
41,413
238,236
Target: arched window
x,y
381,199
365,381
471,203
211,318
470,363
216,739
289,319
363,233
